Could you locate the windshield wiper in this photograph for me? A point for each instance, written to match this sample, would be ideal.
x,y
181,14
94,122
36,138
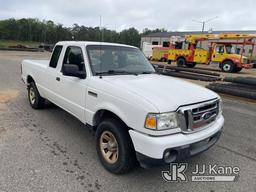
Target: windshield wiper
x,y
115,72
148,72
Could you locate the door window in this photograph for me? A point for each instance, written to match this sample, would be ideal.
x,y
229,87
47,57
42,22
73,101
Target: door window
x,y
74,56
55,56
219,49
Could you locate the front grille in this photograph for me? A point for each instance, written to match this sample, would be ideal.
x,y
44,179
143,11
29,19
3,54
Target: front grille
x,y
194,117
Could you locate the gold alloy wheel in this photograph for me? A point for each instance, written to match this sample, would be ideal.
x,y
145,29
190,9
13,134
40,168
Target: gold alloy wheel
x,y
109,147
32,95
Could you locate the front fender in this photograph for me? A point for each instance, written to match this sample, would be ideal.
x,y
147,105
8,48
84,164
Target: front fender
x,y
112,108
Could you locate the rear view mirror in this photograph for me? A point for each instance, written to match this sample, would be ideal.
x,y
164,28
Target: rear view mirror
x,y
73,70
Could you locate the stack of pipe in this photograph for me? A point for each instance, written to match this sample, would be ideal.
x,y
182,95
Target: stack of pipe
x,y
187,73
238,86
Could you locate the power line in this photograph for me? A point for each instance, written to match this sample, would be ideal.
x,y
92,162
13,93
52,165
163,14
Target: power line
x,y
205,21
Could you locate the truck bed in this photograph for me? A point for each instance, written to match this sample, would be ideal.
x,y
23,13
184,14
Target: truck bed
x,y
35,68
41,63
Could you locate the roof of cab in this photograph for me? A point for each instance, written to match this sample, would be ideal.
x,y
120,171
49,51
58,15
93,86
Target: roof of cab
x,y
84,43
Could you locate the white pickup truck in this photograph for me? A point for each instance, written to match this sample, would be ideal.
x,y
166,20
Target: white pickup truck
x,y
137,114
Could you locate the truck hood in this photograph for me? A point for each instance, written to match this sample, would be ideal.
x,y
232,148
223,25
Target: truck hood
x,y
163,92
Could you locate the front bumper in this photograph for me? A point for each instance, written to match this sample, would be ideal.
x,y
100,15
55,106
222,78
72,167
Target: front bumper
x,y
179,153
247,66
185,145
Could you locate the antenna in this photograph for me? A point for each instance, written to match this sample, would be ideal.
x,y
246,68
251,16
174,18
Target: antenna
x,y
100,46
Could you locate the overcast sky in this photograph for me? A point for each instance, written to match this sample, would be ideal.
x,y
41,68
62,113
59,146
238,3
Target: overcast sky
x,y
174,15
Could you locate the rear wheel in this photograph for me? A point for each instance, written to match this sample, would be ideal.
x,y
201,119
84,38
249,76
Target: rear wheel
x,y
114,146
181,62
35,100
228,66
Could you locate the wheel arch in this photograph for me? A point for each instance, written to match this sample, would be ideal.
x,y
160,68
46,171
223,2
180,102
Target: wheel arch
x,y
181,57
106,113
226,60
29,79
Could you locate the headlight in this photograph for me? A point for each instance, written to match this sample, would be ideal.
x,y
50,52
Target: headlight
x,y
161,121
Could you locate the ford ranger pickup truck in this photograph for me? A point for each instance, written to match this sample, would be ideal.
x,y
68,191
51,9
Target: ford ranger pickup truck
x,y
138,115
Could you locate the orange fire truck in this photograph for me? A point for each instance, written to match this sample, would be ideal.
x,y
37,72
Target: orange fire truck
x,y
220,52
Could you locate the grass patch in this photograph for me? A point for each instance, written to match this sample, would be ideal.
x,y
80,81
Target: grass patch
x,y
7,43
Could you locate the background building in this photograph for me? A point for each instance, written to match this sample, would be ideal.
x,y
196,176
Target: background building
x,y
163,38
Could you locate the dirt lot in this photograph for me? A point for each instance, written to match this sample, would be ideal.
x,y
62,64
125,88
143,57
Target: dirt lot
x,y
49,150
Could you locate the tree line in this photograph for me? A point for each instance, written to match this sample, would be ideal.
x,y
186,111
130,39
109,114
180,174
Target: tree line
x,y
31,29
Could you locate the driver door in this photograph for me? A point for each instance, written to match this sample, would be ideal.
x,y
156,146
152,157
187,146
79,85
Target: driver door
x,y
219,53
72,90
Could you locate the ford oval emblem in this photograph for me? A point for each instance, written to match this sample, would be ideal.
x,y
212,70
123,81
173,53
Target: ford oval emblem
x,y
206,115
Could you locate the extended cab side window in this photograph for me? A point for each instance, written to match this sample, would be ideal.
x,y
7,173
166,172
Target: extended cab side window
x,y
74,55
55,56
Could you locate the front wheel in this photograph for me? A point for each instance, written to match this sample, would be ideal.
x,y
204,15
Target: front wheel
x,y
35,100
181,62
114,146
228,66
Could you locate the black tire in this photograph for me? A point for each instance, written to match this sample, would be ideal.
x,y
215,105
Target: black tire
x,y
169,61
126,158
190,65
181,62
35,100
228,66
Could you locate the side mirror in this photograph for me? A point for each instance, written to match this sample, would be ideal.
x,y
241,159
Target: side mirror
x,y
73,70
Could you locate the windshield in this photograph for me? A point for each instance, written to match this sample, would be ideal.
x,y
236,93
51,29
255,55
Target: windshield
x,y
230,49
109,60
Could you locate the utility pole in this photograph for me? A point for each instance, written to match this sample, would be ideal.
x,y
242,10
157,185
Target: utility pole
x,y
203,22
101,33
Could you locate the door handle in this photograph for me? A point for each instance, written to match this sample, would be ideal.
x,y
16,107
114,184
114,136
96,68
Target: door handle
x,y
57,79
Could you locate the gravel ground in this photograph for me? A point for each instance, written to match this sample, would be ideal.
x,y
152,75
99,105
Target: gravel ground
x,y
49,150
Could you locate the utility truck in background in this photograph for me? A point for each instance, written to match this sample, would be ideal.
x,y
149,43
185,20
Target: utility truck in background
x,y
220,51
147,49
160,54
137,114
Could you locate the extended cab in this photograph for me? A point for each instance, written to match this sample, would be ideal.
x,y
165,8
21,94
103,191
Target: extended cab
x,y
137,114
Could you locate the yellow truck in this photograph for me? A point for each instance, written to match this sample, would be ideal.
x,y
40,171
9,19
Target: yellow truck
x,y
160,54
222,53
